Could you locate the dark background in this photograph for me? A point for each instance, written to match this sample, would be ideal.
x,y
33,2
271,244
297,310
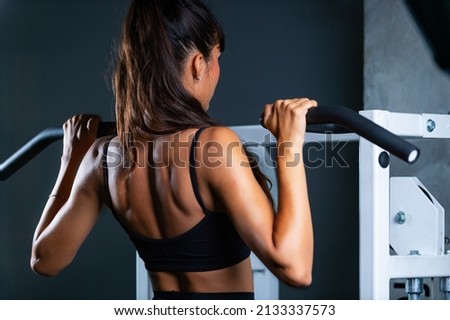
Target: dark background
x,y
55,59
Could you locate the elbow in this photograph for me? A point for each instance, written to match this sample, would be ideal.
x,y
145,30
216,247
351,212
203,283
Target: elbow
x,y
47,261
42,268
296,275
299,279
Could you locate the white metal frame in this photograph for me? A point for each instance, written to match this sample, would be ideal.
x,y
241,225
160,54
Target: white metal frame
x,y
377,266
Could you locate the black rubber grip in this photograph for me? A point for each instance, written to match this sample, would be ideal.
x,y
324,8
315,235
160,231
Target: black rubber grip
x,y
365,128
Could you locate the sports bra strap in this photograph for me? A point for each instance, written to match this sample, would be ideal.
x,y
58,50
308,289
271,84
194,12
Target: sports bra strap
x,y
192,166
105,173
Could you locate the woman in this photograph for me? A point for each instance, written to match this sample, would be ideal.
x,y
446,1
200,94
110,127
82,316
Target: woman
x,y
193,214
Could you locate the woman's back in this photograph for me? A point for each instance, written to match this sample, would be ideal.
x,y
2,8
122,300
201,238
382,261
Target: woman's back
x,y
182,241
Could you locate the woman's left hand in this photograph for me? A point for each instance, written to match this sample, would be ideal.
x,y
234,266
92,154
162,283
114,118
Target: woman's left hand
x,y
80,132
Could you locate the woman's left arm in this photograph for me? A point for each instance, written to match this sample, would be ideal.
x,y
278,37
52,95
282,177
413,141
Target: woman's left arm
x,y
74,204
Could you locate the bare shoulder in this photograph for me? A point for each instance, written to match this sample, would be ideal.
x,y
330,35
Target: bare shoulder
x,y
95,153
92,161
221,142
222,150
221,135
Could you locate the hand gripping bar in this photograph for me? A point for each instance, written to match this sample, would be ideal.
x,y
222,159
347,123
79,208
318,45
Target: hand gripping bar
x,y
320,119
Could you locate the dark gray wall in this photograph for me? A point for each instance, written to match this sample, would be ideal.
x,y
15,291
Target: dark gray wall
x,y
54,56
400,75
289,48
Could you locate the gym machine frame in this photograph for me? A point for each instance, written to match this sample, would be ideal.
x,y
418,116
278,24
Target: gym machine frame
x,y
380,223
382,215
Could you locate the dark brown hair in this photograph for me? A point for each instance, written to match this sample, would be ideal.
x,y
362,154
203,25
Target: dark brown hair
x,y
157,37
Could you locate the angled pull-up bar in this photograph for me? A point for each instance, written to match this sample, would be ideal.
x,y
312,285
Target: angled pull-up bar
x,y
38,143
323,118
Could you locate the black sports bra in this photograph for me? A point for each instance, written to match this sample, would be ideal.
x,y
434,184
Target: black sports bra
x,y
212,244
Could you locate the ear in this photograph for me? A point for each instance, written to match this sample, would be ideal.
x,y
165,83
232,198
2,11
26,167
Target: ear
x,y
198,66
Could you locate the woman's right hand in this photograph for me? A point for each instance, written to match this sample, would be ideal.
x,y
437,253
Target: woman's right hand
x,y
286,119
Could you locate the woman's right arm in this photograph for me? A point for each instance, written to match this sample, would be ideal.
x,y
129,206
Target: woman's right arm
x,y
282,240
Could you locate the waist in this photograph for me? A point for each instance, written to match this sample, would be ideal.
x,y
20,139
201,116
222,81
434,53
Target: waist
x,y
180,295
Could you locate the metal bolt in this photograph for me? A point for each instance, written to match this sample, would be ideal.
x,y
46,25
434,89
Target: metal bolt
x,y
431,125
414,288
400,217
445,284
445,288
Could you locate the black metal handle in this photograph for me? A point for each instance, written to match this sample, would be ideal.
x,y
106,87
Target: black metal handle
x,y
367,129
329,118
41,141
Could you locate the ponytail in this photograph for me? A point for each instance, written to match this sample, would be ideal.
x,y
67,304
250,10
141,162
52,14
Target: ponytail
x,y
157,37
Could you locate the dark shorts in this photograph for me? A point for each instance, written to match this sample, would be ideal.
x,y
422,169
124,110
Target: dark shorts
x,y
176,295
